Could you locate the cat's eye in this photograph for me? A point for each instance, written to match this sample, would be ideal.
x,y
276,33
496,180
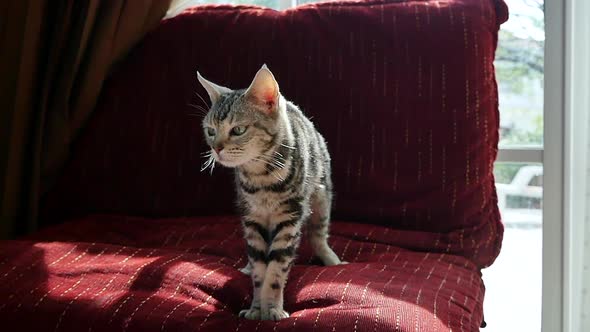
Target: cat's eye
x,y
238,130
210,131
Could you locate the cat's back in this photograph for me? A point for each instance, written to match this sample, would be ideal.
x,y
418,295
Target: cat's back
x,y
311,141
301,124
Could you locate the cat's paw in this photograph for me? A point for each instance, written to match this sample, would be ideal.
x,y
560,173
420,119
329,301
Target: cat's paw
x,y
247,270
333,261
252,313
274,314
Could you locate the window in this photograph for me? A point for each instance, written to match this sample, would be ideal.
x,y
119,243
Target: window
x,y
179,5
519,172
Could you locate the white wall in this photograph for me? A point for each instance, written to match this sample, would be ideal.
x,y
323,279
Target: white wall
x,y
585,314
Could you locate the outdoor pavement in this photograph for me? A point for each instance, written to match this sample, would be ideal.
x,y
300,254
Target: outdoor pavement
x,y
513,282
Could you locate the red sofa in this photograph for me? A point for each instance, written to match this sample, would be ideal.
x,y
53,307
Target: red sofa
x,y
137,239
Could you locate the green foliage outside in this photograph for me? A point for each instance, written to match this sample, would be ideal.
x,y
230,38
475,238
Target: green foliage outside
x,y
519,70
505,172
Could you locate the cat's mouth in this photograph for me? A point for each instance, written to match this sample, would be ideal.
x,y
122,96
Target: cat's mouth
x,y
227,160
229,163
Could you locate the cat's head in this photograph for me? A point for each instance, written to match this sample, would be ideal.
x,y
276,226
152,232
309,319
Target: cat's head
x,y
243,124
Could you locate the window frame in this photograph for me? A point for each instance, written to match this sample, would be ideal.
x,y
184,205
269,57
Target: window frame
x,y
516,154
552,293
567,82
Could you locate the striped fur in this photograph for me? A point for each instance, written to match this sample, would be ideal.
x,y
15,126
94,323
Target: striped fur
x,y
282,176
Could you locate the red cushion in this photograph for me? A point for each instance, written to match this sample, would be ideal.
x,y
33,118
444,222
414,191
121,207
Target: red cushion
x,y
404,92
108,273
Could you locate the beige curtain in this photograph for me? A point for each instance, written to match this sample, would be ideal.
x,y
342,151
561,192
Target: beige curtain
x,y
54,58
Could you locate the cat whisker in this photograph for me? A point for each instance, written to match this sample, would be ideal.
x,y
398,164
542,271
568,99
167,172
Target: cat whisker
x,y
205,166
266,162
198,107
288,146
273,158
275,168
261,160
212,167
280,163
199,114
203,100
274,161
279,166
209,163
279,158
277,176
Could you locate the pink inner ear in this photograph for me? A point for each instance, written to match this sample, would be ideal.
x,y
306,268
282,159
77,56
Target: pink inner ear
x,y
268,97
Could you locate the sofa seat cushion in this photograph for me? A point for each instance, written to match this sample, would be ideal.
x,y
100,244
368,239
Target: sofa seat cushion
x,y
112,273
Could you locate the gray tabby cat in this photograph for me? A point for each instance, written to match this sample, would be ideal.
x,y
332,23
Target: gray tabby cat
x,y
282,175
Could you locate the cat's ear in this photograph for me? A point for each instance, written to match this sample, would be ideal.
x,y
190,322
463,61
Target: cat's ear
x,y
213,89
264,90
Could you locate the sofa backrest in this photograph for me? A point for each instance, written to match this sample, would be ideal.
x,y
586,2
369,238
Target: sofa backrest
x,y
403,91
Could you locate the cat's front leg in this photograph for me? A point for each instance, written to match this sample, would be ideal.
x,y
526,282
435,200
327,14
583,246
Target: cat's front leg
x,y
257,275
257,248
280,259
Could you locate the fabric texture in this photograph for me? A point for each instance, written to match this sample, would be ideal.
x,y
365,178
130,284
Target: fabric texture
x,y
54,58
405,94
403,91
110,273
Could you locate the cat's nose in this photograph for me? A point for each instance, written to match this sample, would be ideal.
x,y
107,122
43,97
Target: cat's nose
x,y
218,148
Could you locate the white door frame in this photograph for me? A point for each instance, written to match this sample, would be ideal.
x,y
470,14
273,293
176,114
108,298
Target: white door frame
x,y
567,85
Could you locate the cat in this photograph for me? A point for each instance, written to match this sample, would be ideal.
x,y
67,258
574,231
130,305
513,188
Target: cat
x,y
282,179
